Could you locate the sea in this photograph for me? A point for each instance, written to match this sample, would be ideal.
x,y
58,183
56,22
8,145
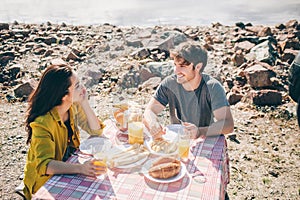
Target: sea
x,y
150,12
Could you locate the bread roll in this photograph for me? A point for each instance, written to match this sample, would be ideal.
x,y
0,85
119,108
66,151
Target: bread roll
x,y
165,168
163,160
119,116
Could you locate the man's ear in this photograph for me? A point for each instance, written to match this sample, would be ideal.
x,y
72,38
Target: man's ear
x,y
199,66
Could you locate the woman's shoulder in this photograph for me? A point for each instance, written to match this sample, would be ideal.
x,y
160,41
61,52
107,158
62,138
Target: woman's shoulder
x,y
49,119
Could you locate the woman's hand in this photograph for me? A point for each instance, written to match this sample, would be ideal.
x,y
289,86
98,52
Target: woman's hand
x,y
83,97
93,168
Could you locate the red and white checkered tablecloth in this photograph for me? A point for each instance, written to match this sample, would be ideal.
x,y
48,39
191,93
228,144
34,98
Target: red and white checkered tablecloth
x,y
208,155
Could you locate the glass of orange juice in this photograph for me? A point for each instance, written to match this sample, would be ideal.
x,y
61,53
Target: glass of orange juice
x,y
183,143
100,163
135,126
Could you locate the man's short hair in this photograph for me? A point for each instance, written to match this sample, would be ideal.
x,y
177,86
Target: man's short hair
x,y
191,52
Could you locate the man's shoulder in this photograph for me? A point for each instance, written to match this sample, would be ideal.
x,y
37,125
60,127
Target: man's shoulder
x,y
170,78
169,81
210,79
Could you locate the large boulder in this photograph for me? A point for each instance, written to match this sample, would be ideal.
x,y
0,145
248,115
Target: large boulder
x,y
263,52
25,89
259,76
266,97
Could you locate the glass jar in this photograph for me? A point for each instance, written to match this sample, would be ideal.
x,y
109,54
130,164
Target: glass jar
x,y
135,126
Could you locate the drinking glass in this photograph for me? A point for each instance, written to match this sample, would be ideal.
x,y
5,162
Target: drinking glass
x,y
101,163
99,153
183,143
135,126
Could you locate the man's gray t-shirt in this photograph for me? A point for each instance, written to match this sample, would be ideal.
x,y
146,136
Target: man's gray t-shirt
x,y
192,106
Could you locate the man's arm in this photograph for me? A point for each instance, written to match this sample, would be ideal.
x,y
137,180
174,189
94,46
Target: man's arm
x,y
150,120
224,123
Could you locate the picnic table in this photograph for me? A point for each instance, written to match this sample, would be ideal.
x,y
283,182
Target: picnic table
x,y
208,159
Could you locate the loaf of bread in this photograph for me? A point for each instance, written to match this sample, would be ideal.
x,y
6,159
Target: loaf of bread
x,y
165,168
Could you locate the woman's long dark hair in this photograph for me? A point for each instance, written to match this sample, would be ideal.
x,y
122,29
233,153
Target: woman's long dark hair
x,y
52,87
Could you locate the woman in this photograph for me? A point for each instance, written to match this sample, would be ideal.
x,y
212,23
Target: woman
x,y
56,107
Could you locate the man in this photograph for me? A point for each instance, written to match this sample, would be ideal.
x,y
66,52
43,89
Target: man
x,y
294,83
194,98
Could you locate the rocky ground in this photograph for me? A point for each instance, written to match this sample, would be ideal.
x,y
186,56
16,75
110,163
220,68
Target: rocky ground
x,y
120,63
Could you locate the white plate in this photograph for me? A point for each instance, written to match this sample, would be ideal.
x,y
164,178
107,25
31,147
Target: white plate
x,y
131,165
179,176
94,145
82,160
148,145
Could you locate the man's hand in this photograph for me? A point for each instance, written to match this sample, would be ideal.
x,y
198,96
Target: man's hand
x,y
157,131
192,128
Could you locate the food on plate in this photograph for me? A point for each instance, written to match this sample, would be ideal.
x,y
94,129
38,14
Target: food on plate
x,y
160,145
165,168
127,155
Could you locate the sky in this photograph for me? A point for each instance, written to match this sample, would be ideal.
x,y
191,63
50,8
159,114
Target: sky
x,y
150,12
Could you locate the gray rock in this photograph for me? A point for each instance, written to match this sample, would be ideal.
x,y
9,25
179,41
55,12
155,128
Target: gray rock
x,y
178,37
50,40
160,69
7,56
24,90
263,52
72,56
266,97
233,98
258,76
134,42
152,83
14,70
245,46
141,53
4,26
165,44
